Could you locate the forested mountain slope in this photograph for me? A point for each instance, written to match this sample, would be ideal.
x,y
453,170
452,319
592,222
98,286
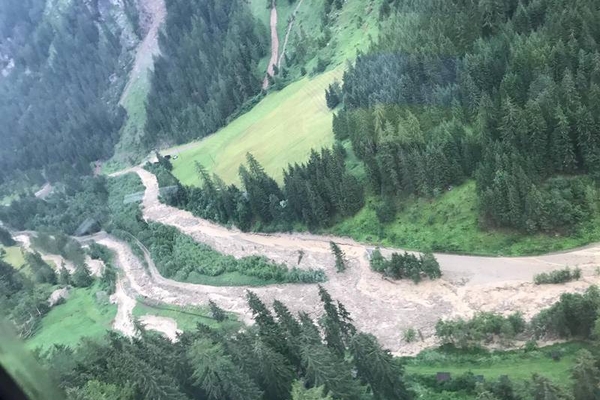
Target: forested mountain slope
x,y
502,92
206,71
64,68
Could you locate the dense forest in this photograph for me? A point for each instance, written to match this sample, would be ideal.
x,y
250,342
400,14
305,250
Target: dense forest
x,y
501,92
207,69
58,101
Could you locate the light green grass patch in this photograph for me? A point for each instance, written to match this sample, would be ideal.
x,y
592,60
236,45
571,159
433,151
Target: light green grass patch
x,y
517,365
14,256
233,278
6,200
353,27
450,224
127,149
187,317
80,316
280,130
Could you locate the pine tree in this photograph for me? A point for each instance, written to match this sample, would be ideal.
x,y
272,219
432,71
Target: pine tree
x,y
299,392
587,141
269,330
292,331
215,373
217,312
348,329
323,368
538,137
81,277
310,332
63,276
331,323
562,148
378,368
340,257
276,374
586,377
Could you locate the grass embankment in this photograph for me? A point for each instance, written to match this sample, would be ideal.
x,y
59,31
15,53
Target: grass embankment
x,y
517,365
450,223
127,149
187,318
82,315
280,130
14,256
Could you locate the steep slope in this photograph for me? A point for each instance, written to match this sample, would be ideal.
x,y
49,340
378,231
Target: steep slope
x,y
59,101
153,14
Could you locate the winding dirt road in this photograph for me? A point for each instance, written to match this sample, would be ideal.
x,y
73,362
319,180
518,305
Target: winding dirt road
x,y
378,306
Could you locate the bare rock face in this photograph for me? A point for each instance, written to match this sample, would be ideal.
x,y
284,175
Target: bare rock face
x,y
58,296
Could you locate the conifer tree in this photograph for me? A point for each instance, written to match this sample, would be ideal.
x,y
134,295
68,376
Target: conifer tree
x,y
81,277
219,378
276,374
378,368
331,323
63,276
562,148
217,312
299,392
586,377
323,368
340,257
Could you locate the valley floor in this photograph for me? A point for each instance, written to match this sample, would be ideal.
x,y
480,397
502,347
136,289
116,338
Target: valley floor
x,y
378,306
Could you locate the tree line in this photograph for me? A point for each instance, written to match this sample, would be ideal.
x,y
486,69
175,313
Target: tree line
x,y
406,266
315,193
287,356
502,92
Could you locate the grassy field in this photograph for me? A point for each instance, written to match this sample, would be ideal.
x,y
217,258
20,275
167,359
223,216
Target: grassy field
x,y
80,316
14,256
187,317
450,224
281,129
517,365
